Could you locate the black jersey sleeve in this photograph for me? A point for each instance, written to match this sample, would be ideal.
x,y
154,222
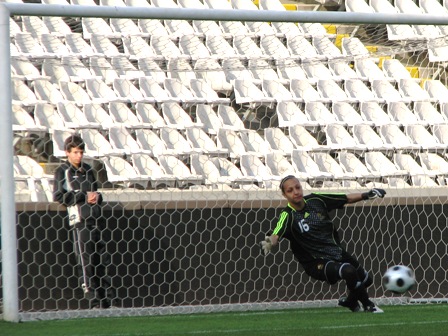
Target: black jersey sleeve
x,y
332,200
282,224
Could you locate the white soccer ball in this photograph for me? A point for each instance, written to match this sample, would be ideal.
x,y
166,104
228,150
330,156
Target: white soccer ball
x,y
399,279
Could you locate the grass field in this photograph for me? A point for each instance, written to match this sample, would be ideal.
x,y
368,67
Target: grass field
x,y
410,320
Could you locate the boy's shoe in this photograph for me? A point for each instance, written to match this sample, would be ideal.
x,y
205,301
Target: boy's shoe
x,y
373,308
353,306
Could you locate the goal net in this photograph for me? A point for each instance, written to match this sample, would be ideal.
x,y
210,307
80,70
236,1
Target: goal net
x,y
191,124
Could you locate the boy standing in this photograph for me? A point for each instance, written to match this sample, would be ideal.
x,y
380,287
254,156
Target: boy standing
x,y
75,186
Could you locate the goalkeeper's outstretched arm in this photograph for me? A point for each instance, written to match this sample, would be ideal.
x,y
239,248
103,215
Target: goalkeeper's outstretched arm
x,y
268,243
369,195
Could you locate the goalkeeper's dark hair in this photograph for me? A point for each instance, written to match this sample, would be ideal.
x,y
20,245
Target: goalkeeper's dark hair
x,y
282,182
73,141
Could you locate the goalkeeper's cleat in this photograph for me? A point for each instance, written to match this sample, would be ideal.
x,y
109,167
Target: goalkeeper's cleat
x,y
373,308
353,306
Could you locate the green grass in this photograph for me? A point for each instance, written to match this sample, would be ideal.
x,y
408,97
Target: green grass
x,y
411,320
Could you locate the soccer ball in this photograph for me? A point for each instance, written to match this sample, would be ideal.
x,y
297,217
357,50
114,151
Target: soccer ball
x,y
399,279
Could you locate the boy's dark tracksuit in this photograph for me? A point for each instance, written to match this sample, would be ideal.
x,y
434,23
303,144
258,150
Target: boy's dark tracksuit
x,y
89,235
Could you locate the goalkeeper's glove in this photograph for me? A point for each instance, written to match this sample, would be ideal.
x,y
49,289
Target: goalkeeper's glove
x,y
266,244
374,193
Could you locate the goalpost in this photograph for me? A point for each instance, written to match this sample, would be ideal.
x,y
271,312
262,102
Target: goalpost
x,y
197,250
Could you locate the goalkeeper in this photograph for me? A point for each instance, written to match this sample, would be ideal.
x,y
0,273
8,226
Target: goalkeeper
x,y
314,241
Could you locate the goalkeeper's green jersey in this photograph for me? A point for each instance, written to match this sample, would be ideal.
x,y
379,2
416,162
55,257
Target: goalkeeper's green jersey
x,y
310,231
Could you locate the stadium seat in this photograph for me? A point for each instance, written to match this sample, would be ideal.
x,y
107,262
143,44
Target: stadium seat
x,y
79,47
124,68
314,29
211,71
304,140
165,46
234,28
436,89
346,113
47,116
391,134
357,89
56,25
300,47
75,68
229,119
410,7
175,167
252,166
22,94
122,115
342,69
152,89
176,142
138,3
209,29
179,28
121,172
306,166
152,27
152,69
290,114
74,117
230,140
326,47
136,48
302,89
420,135
23,121
218,4
253,142
358,6
122,141
409,88
102,69
378,162
330,89
146,166
245,46
103,45
193,47
402,114
96,114
175,116
440,131
420,177
367,69
394,31
436,8
279,165
200,141
97,26
126,91
29,46
427,111
209,119
261,70
352,46
247,93
338,138
273,88
126,27
151,143
101,93
328,164
34,25
352,164
75,93
383,89
365,135
434,162
393,68
272,46
47,91
220,48
372,112
24,69
147,114
278,141
177,90
317,70
234,69
318,112
97,145
289,69
201,89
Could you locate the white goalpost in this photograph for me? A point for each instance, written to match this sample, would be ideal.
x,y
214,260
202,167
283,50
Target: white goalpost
x,y
178,249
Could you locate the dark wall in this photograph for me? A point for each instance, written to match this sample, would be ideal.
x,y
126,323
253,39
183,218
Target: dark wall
x,y
213,256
